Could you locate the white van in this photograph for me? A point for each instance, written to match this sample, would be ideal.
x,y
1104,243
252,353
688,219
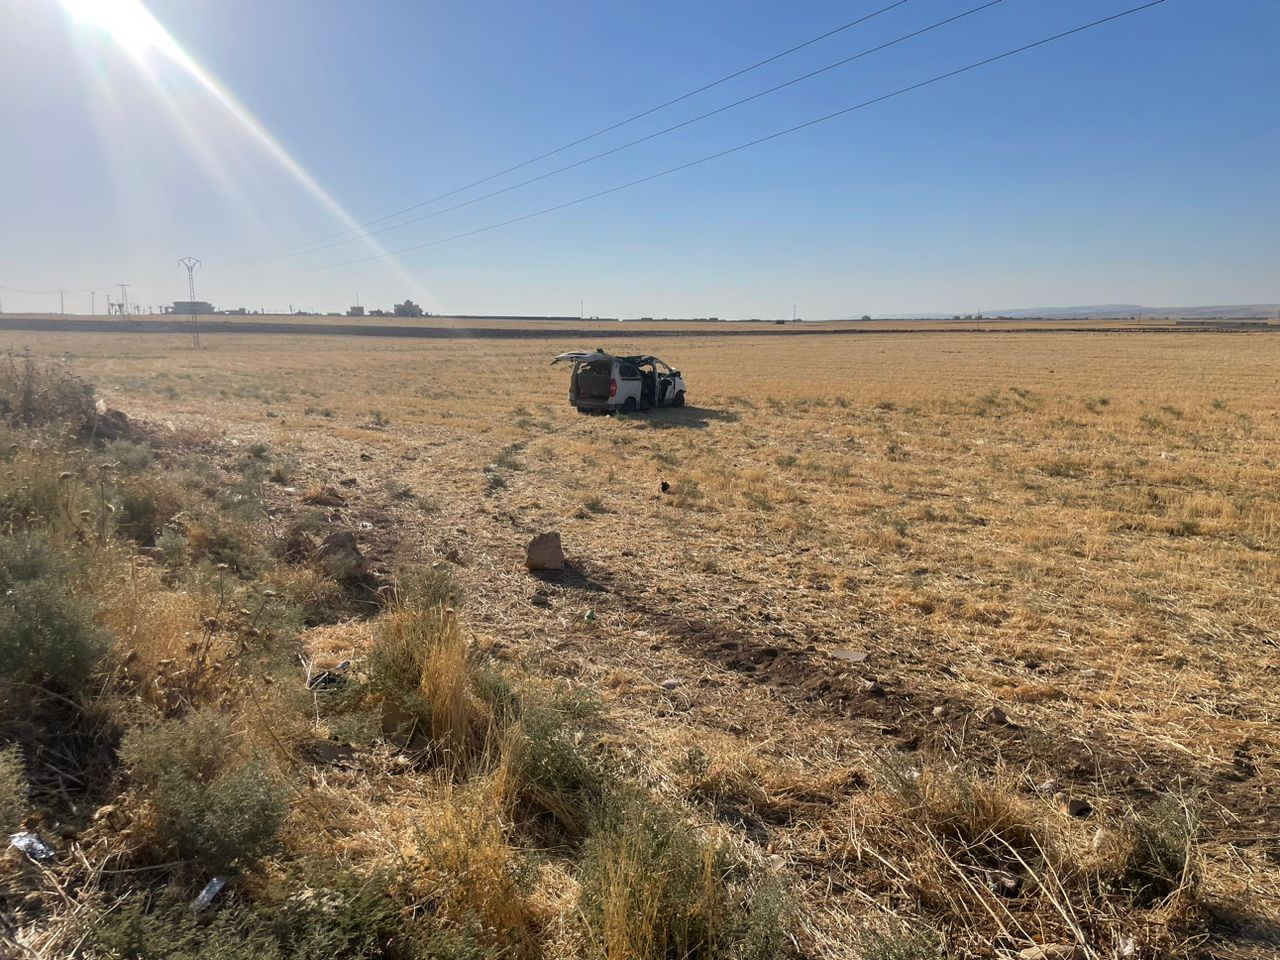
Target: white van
x,y
603,383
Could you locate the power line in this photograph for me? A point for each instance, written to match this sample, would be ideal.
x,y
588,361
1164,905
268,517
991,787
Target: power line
x,y
765,139
675,126
621,123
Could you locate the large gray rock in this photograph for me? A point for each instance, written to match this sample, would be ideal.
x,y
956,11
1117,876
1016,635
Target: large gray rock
x,y
544,552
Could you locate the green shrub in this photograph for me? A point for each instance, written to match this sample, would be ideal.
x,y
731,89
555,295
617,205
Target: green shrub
x,y
137,931
32,394
144,508
47,634
129,456
13,789
424,587
213,804
899,941
650,889
548,771
1151,855
338,913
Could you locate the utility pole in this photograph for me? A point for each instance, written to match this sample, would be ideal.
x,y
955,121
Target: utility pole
x,y
62,302
93,302
124,300
191,263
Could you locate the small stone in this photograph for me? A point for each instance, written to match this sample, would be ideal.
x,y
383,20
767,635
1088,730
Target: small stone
x,y
996,717
849,655
872,688
669,684
544,552
939,711
540,599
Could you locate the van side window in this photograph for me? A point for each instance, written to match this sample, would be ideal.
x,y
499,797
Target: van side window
x,y
628,372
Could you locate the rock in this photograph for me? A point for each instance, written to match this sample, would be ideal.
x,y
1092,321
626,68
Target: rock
x,y
540,599
544,552
669,684
349,482
366,457
1054,951
873,688
849,655
997,717
342,557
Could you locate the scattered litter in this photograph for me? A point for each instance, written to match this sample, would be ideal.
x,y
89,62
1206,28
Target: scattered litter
x,y
366,525
211,890
330,679
31,845
591,615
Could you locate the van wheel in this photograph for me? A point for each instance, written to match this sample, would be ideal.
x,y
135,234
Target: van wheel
x,y
679,400
629,405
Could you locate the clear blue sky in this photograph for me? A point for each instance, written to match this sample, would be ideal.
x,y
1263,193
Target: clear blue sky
x,y
1139,162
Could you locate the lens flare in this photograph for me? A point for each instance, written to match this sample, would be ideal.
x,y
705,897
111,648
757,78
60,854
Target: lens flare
x,y
141,37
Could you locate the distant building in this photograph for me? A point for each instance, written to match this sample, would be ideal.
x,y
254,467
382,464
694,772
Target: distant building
x,y
355,311
190,307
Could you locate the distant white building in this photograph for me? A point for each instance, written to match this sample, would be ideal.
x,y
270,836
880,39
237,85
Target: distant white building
x,y
190,307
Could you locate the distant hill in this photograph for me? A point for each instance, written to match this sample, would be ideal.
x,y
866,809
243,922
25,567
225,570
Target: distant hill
x,y
1226,312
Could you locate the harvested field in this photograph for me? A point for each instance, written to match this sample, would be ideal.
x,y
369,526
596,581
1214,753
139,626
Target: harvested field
x,y
930,628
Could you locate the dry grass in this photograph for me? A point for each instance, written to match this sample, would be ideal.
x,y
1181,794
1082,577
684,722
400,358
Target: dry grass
x,y
1079,529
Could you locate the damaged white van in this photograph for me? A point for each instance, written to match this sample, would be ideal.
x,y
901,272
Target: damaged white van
x,y
603,383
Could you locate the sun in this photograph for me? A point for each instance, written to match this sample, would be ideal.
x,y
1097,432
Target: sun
x,y
127,22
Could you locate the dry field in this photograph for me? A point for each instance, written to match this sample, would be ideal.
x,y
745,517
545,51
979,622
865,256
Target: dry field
x,y
1030,582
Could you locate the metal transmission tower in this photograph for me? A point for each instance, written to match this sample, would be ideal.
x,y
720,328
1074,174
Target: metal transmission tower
x,y
191,263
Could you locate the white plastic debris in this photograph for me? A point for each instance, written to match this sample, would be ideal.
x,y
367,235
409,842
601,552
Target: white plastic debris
x,y
211,890
31,845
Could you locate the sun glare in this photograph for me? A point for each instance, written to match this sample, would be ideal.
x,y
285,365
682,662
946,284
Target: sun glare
x,y
131,27
127,22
